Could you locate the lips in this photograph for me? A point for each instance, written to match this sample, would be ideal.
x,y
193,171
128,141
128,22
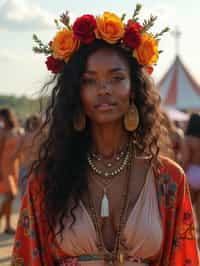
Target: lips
x,y
105,105
104,102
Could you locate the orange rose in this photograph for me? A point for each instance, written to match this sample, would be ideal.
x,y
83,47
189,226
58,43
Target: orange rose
x,y
109,28
147,52
64,44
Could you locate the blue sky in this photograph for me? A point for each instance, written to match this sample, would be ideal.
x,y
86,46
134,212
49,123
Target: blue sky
x,y
23,72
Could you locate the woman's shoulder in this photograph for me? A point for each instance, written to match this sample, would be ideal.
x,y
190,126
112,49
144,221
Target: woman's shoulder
x,y
171,170
35,183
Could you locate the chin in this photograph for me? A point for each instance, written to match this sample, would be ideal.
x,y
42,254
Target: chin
x,y
106,120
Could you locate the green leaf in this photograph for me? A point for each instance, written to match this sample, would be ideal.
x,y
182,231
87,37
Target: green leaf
x,y
167,29
123,17
37,50
57,24
136,11
147,24
37,40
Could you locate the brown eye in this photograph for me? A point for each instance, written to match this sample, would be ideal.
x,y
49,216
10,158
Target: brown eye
x,y
88,81
117,78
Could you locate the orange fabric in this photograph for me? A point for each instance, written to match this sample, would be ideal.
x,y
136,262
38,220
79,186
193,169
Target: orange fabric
x,y
33,245
9,167
179,245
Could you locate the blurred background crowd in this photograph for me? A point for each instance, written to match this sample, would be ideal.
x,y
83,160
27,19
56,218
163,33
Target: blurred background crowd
x,y
19,144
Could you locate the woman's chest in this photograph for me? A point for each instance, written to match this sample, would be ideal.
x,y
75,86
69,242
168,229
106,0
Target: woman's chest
x,y
121,199
141,234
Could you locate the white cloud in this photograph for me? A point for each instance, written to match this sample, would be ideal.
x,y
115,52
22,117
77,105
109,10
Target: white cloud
x,y
23,16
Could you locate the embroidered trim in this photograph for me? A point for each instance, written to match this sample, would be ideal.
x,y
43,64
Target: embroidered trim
x,y
74,261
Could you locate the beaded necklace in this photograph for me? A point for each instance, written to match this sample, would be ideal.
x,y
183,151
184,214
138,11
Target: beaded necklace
x,y
108,163
117,254
109,173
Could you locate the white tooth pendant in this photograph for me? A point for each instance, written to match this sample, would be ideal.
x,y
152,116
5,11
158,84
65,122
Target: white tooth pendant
x,y
104,205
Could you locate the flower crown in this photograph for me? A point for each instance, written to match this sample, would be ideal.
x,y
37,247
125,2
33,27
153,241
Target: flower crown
x,y
108,27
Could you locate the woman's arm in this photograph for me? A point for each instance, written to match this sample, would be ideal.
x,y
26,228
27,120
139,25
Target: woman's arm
x,y
31,241
184,249
179,244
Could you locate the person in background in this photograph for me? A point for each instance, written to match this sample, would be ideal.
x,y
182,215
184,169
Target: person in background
x,y
177,137
166,146
9,166
28,148
172,140
191,161
102,194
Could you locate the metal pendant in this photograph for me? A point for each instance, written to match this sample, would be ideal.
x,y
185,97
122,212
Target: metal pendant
x,y
104,206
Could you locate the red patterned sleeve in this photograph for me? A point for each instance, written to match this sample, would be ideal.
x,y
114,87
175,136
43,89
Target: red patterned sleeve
x,y
184,249
30,245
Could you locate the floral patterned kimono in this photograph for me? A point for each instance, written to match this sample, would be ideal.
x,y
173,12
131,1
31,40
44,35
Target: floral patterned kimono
x,y
34,245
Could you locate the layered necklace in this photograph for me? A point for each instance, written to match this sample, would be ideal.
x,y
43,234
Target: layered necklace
x,y
118,254
121,157
108,174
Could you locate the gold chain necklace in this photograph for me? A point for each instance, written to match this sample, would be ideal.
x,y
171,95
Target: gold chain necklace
x,y
108,173
109,162
105,206
117,254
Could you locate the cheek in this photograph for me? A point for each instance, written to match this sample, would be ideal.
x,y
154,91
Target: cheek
x,y
123,97
124,103
87,99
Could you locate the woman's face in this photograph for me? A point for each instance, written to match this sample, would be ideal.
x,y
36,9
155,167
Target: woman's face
x,y
106,87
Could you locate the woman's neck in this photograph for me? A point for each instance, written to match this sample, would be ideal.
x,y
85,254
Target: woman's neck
x,y
108,140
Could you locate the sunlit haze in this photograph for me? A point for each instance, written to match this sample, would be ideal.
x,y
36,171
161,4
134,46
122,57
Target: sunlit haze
x,y
23,73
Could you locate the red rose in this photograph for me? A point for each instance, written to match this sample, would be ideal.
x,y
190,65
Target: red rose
x,y
149,70
132,36
84,27
136,25
54,65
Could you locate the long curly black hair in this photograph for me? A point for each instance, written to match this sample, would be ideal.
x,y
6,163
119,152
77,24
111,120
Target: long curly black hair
x,y
63,154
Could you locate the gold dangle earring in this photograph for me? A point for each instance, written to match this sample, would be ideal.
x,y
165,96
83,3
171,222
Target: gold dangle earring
x,y
131,118
80,122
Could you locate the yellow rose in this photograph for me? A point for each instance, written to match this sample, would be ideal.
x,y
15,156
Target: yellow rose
x,y
64,44
109,28
147,53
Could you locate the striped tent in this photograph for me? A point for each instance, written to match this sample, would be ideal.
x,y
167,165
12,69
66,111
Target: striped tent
x,y
178,89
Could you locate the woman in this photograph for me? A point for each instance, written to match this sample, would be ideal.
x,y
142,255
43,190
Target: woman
x,y
172,149
9,167
103,195
28,148
191,160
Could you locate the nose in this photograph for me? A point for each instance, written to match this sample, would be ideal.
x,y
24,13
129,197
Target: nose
x,y
104,87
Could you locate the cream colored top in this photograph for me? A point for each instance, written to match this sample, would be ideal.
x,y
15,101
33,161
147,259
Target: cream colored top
x,y
142,235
